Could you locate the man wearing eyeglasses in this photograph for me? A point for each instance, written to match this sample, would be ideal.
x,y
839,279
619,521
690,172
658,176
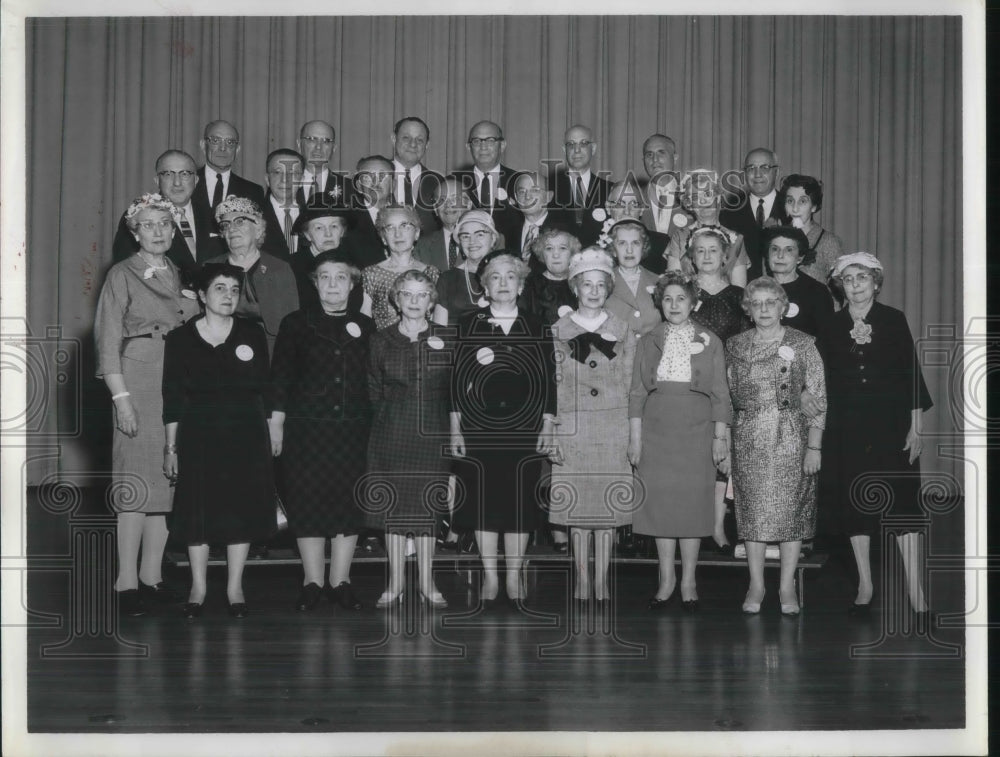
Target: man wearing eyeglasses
x,y
577,188
489,183
438,248
413,184
281,205
216,180
748,211
317,142
195,240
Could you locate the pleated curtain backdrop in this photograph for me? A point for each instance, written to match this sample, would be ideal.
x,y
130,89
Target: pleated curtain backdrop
x,y
870,105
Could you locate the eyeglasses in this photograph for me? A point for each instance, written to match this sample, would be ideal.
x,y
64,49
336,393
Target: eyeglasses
x,y
420,296
184,175
762,304
318,140
219,141
465,237
405,226
157,225
524,194
484,141
860,278
237,223
759,167
583,145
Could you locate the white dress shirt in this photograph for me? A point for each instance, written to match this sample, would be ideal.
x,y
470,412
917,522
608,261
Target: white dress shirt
x,y
211,177
400,175
493,176
279,213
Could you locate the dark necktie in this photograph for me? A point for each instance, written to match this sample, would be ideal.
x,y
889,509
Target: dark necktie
x,y
217,194
760,212
188,234
288,230
407,189
580,195
484,192
317,187
454,258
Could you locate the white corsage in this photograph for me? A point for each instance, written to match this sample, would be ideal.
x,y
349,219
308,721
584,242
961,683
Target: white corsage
x,y
599,214
263,269
861,333
189,294
244,352
149,273
335,193
485,356
793,310
797,223
786,353
651,289
353,329
604,240
680,220
705,338
435,342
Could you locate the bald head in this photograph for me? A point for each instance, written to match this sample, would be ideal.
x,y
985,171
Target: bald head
x,y
760,170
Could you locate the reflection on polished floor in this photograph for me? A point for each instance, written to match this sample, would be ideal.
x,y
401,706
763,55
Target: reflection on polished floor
x,y
552,665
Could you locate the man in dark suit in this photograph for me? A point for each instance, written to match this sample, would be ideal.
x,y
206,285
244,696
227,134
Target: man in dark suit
x,y
490,183
195,241
626,201
317,142
372,191
747,210
577,188
661,193
535,214
216,180
413,184
438,248
281,206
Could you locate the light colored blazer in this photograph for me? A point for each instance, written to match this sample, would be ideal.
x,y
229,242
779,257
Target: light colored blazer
x,y
708,372
637,310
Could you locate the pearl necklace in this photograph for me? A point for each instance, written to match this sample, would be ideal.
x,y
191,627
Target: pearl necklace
x,y
474,297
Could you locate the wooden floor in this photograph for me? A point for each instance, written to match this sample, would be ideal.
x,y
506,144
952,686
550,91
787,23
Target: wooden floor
x,y
546,668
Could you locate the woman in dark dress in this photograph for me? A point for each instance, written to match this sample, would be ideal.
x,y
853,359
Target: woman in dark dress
x,y
876,398
548,297
216,401
320,422
503,408
409,381
720,308
809,302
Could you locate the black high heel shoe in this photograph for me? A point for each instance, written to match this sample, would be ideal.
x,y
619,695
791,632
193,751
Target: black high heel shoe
x,y
192,609
659,605
238,609
344,596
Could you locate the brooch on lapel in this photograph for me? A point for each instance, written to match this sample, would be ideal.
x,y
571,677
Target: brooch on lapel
x,y
786,353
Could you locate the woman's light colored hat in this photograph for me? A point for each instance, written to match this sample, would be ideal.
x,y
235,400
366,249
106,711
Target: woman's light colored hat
x,y
241,205
591,259
856,258
474,216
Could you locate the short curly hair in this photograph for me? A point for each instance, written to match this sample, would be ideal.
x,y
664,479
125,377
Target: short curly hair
x,y
675,278
764,284
411,215
538,246
413,275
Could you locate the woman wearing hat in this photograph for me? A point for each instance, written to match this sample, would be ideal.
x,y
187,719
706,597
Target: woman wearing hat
x,y
503,409
876,397
679,408
321,419
458,289
324,227
591,489
268,291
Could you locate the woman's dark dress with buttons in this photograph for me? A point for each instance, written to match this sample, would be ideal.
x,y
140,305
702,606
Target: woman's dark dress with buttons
x,y
872,389
408,464
501,384
220,397
320,375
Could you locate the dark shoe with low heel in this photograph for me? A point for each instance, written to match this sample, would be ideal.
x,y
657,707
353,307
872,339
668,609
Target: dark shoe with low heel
x,y
659,605
161,593
857,610
192,609
690,605
238,609
344,596
130,603
309,597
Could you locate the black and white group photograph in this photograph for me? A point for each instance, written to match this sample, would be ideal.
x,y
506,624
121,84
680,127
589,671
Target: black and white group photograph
x,y
509,381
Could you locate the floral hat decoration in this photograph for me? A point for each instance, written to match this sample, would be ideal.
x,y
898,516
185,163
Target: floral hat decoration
x,y
149,201
241,205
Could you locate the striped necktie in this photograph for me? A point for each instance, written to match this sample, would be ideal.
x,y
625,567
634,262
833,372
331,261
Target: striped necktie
x,y
188,234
